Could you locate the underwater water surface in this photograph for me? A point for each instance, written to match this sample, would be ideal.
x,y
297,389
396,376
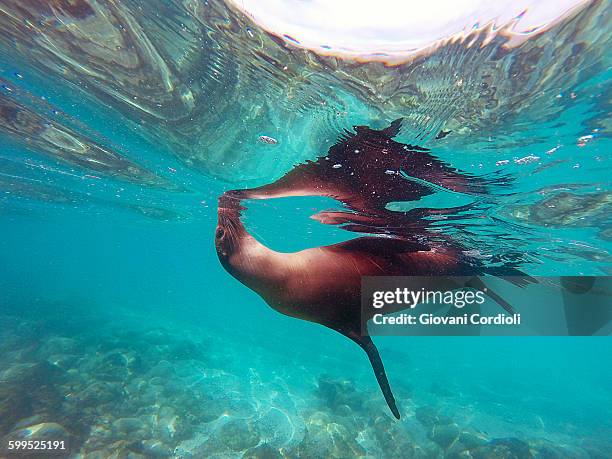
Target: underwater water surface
x,y
121,124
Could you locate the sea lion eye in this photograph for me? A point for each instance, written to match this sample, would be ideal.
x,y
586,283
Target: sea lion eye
x,y
220,233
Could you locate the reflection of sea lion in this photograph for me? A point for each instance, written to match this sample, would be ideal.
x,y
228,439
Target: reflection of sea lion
x,y
367,170
323,284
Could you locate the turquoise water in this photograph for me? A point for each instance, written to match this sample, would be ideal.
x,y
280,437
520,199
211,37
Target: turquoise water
x,y
121,332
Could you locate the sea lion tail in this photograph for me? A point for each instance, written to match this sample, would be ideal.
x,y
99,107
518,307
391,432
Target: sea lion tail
x,y
369,347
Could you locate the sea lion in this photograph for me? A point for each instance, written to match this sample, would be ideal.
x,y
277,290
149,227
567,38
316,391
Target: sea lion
x,y
323,284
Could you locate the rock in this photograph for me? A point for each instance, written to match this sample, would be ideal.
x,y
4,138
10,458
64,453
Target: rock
x,y
159,336
395,439
543,449
36,419
42,431
471,438
262,451
30,375
212,409
63,361
127,425
445,434
170,428
187,350
59,345
238,435
329,439
336,393
429,417
99,393
163,369
112,367
131,429
118,450
155,449
503,448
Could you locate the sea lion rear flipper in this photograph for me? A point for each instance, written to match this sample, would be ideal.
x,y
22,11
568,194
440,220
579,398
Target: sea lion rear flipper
x,y
476,283
369,347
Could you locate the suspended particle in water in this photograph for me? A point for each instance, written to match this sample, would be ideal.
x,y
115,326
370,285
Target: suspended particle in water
x,y
582,141
390,172
337,166
502,162
267,139
527,159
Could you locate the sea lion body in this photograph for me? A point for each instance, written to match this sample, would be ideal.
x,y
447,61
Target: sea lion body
x,y
323,284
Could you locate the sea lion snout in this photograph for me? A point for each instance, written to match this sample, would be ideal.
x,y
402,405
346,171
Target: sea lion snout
x,y
219,234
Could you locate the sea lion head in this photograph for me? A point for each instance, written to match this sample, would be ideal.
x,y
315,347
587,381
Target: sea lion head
x,y
243,256
229,230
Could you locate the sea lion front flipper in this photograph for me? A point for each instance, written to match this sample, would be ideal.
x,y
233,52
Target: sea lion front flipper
x,y
369,347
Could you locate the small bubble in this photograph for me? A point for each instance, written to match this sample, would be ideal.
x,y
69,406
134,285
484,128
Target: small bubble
x,y
527,159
